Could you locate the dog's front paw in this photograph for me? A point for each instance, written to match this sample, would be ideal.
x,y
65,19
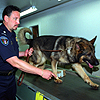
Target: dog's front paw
x,y
58,81
95,86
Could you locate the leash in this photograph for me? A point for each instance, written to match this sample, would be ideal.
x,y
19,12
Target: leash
x,y
22,74
51,50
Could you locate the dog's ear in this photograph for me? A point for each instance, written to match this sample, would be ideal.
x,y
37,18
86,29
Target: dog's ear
x,y
93,40
77,47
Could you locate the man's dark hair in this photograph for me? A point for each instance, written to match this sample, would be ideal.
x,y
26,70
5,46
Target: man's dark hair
x,y
8,10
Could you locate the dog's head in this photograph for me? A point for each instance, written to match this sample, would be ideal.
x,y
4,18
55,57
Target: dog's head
x,y
86,52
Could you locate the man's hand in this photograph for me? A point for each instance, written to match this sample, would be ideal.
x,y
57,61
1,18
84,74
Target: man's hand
x,y
29,52
47,74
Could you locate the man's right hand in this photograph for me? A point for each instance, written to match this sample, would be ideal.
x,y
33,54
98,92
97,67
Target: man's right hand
x,y
47,74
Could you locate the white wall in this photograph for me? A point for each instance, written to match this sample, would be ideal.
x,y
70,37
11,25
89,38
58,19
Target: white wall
x,y
21,46
80,19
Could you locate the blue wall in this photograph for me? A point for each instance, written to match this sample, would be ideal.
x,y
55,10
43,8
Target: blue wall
x,y
80,19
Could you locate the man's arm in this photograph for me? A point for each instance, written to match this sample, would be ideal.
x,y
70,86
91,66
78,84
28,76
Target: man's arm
x,y
26,67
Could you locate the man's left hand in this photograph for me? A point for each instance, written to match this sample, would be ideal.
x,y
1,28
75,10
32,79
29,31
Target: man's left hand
x,y
29,52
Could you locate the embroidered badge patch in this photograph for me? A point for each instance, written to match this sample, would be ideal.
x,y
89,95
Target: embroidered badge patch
x,y
4,40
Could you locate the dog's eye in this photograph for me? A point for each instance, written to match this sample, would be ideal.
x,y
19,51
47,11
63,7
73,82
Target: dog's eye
x,y
89,54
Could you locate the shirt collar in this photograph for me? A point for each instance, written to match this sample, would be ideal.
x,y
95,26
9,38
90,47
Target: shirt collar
x,y
6,31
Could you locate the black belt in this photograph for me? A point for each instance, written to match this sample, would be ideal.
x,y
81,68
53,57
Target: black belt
x,y
7,73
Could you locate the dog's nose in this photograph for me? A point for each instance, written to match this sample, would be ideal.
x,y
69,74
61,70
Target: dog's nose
x,y
96,62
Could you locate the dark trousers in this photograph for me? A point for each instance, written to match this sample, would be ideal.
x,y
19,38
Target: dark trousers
x,y
7,87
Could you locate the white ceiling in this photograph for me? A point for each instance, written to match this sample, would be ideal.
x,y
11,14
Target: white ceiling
x,y
41,5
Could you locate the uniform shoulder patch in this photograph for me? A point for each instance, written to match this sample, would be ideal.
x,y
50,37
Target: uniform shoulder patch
x,y
4,40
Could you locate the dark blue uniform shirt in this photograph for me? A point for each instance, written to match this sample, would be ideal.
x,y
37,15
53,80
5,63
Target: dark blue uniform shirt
x,y
8,47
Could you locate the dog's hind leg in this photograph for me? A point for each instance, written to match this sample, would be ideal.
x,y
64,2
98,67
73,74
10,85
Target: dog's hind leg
x,y
78,68
54,68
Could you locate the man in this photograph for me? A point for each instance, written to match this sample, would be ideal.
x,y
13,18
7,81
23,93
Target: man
x,y
9,55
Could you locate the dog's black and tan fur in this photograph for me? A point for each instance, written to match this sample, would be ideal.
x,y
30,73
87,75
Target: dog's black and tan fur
x,y
74,50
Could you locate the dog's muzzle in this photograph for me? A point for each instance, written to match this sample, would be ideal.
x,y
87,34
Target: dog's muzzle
x,y
90,64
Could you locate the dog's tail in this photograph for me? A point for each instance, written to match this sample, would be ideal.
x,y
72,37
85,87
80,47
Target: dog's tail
x,y
22,37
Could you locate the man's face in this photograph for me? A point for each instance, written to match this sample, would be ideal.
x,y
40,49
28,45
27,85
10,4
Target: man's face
x,y
12,22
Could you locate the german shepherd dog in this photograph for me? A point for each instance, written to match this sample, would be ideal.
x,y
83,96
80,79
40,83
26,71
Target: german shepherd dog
x,y
72,50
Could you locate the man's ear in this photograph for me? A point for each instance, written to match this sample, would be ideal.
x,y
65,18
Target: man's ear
x,y
6,18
